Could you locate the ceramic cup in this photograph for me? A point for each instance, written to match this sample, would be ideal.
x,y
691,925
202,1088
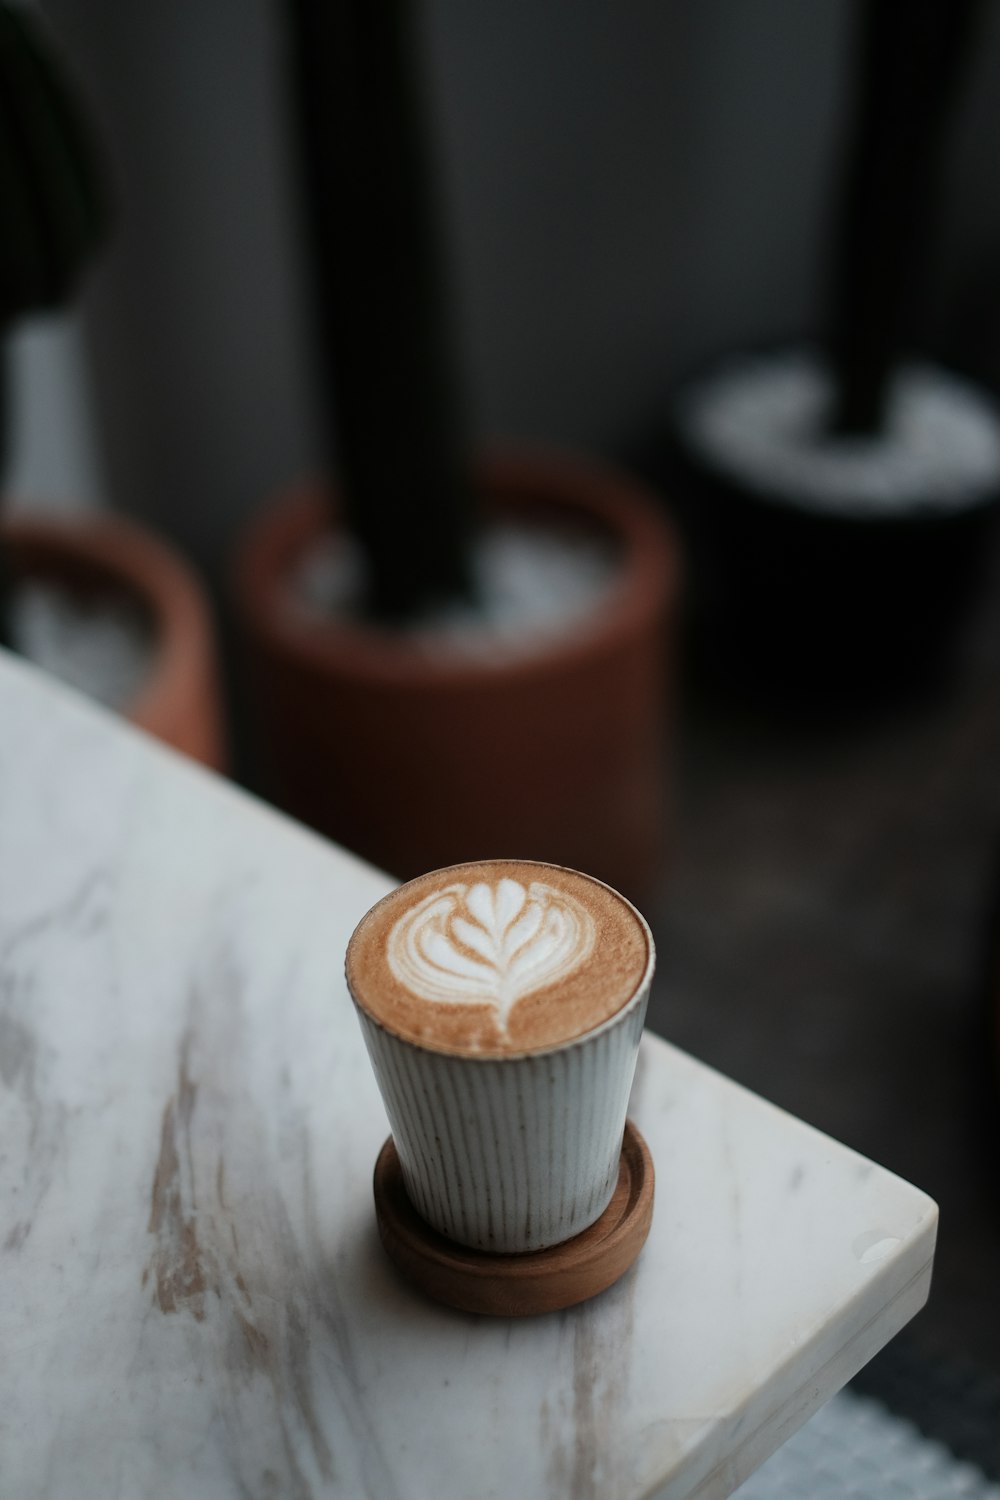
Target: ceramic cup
x,y
505,1145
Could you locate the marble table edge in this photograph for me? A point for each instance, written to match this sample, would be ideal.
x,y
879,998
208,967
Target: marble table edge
x,y
776,1421
34,680
778,1425
678,1055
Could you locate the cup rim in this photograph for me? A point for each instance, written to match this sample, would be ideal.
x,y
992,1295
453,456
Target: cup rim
x,y
616,1018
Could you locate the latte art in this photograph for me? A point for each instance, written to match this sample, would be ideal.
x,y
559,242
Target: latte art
x,y
490,945
497,957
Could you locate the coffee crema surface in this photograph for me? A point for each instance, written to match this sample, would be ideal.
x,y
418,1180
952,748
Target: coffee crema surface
x,y
497,957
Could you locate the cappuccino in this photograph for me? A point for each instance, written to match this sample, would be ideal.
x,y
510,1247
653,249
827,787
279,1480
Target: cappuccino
x,y
498,957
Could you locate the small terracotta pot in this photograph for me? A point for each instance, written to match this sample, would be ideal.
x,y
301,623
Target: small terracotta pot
x,y
416,761
180,701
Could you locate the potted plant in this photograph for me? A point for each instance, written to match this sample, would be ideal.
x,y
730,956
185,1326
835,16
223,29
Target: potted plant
x,y
450,655
838,498
98,601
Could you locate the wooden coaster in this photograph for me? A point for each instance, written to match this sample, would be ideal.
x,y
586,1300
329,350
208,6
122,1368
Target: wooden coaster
x,y
516,1286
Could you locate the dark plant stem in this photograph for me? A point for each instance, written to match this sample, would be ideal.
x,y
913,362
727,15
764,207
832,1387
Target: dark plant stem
x,y
383,326
910,64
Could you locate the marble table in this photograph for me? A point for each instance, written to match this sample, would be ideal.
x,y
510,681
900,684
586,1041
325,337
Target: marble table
x,y
193,1300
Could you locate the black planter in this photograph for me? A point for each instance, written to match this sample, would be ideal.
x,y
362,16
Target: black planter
x,y
805,610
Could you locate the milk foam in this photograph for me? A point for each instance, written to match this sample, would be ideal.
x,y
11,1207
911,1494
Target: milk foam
x,y
489,944
497,957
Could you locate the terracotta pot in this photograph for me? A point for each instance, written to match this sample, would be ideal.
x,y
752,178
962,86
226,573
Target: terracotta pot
x,y
180,701
416,761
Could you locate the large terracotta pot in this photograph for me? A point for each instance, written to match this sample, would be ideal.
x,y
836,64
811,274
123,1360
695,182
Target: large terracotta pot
x,y
180,700
416,761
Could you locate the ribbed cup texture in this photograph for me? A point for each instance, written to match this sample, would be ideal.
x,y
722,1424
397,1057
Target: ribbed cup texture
x,y
510,1154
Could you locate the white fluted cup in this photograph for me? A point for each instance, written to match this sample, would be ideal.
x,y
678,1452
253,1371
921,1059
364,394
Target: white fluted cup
x,y
502,1004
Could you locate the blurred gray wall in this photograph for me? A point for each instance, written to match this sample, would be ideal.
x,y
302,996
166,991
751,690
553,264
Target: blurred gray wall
x,y
54,461
632,185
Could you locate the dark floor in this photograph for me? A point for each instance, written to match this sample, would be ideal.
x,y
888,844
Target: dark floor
x,y
824,935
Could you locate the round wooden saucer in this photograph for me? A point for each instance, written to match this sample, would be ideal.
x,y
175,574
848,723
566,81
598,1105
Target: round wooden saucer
x,y
513,1286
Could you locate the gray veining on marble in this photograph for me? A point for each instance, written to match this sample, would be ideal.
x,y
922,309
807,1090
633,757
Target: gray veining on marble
x,y
193,1301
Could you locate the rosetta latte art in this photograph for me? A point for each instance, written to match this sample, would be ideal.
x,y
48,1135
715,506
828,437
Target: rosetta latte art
x,y
489,945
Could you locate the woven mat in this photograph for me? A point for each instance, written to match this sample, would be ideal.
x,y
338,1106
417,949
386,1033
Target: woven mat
x,y
855,1449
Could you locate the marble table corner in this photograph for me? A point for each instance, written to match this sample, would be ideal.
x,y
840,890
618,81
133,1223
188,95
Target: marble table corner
x,y
193,1300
